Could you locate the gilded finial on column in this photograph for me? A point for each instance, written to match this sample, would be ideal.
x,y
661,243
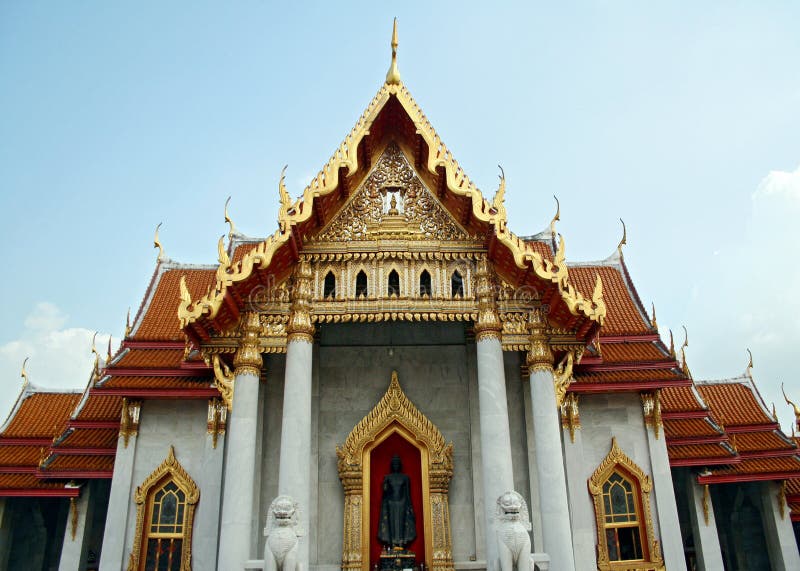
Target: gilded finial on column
x,y
248,358
24,373
556,218
157,243
488,323
624,239
300,326
393,75
228,219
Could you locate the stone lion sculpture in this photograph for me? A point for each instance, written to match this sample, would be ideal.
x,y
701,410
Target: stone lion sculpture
x,y
513,525
282,532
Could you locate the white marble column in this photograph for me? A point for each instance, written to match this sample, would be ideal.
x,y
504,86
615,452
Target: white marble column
x,y
704,526
206,528
74,551
238,495
665,504
557,533
781,543
496,463
120,500
294,473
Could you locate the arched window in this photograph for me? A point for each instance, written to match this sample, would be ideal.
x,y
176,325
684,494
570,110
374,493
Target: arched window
x,y
621,493
329,286
361,284
165,502
394,284
425,288
456,285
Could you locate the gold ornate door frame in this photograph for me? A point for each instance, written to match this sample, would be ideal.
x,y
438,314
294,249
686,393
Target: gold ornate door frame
x,y
394,413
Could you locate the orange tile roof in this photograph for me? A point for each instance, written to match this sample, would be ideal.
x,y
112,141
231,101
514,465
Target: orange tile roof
x,y
679,399
90,438
145,382
697,451
763,465
623,316
85,463
26,481
759,441
631,352
689,427
101,407
243,248
617,376
734,403
152,358
42,415
20,455
160,322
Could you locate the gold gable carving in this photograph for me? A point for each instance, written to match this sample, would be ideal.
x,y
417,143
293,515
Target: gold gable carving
x,y
416,214
395,410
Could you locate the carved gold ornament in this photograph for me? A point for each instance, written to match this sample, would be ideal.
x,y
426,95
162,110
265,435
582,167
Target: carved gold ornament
x,y
395,413
651,407
300,326
170,470
217,419
706,504
247,360
562,377
439,159
129,419
615,460
570,415
540,356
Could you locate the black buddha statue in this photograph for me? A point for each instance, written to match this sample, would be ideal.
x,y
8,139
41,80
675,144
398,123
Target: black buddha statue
x,y
396,526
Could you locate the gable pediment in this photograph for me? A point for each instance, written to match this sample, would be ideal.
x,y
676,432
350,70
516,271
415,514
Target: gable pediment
x,y
392,202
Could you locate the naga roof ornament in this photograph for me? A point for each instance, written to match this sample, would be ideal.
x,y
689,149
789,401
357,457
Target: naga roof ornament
x,y
228,219
25,381
439,161
157,243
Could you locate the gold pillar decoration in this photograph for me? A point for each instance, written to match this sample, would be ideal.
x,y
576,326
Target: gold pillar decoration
x,y
651,406
394,413
129,419
782,499
300,327
562,377
223,380
706,504
488,325
73,519
570,415
248,358
217,418
540,356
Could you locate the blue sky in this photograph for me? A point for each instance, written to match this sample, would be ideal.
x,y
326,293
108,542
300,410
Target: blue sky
x,y
682,118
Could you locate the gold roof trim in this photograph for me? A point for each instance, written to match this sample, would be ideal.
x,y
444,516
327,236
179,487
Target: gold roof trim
x,y
346,156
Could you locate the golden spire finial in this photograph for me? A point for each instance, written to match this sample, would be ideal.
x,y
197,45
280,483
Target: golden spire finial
x,y
653,321
24,373
683,352
393,75
96,370
671,344
794,406
157,243
128,323
228,219
750,362
624,237
556,218
108,352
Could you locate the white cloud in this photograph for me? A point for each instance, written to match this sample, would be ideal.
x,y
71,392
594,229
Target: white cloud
x,y
781,184
60,357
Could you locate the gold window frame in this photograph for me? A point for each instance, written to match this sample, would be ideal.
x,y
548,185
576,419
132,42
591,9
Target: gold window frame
x,y
169,470
394,413
618,461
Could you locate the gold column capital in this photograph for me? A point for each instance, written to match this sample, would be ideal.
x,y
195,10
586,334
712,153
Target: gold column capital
x,y
540,356
488,325
248,358
300,327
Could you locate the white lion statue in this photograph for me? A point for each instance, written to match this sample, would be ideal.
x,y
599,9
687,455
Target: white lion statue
x,y
513,525
282,533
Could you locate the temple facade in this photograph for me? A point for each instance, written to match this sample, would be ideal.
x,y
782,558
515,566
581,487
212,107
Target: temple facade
x,y
394,379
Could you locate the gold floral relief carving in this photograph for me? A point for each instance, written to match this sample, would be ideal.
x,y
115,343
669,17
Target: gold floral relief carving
x,y
392,189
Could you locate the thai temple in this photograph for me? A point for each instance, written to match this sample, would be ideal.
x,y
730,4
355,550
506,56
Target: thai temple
x,y
394,380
